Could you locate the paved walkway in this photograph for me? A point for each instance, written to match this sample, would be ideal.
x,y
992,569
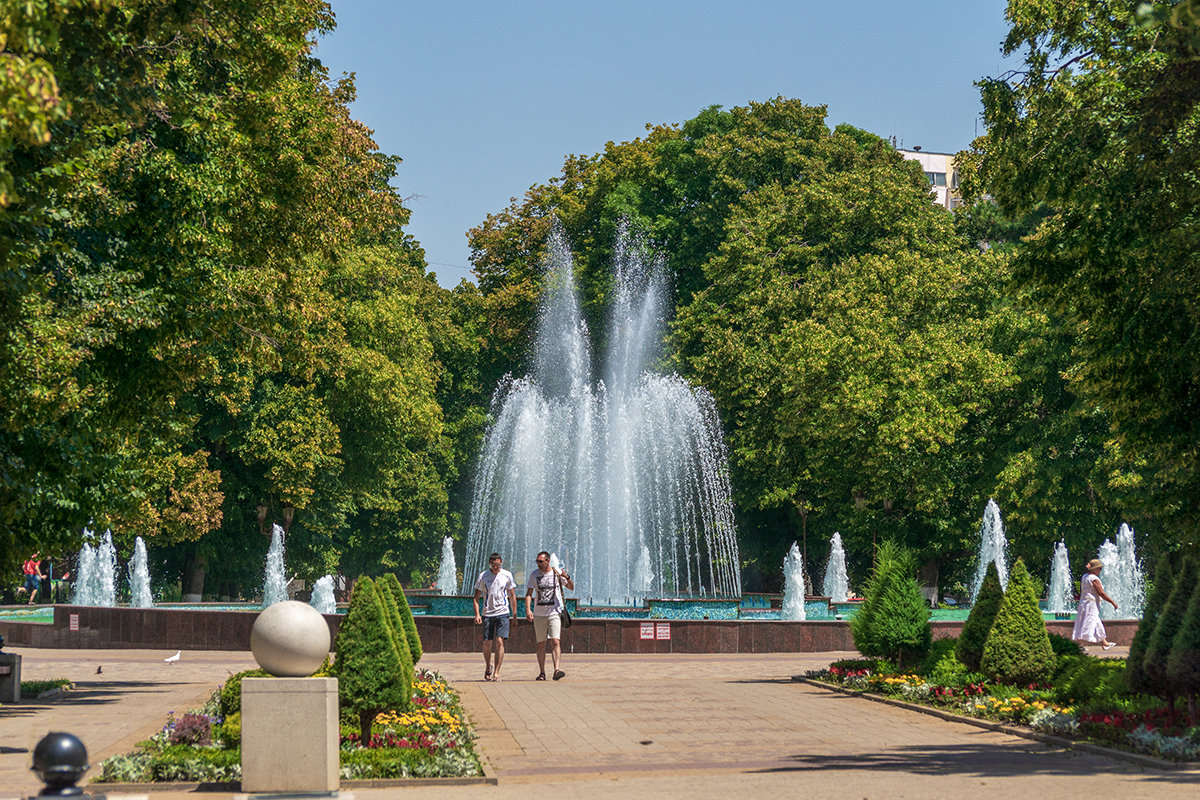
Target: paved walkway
x,y
626,727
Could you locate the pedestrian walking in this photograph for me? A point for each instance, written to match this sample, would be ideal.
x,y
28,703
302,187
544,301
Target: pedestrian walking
x,y
33,576
498,589
544,604
1088,627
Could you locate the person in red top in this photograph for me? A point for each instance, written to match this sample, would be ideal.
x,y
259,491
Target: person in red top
x,y
33,576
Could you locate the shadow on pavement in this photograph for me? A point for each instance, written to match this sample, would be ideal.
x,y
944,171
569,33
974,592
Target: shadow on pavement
x,y
983,761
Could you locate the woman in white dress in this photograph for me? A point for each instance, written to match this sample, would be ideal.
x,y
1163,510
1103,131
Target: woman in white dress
x,y
1088,627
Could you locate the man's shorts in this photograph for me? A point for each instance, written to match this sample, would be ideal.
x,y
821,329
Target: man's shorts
x,y
495,626
31,583
549,627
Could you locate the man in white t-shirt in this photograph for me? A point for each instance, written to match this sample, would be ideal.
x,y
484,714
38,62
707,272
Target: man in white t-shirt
x,y
544,603
498,588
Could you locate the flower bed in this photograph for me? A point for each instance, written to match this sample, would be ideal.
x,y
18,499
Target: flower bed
x,y
1127,721
432,740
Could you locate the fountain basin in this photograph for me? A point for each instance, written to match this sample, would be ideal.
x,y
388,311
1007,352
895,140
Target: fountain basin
x,y
92,627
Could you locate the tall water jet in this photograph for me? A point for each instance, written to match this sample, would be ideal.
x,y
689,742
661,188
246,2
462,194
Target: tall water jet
x,y
793,586
643,575
603,468
322,595
96,573
1122,577
993,547
275,581
447,582
1060,597
837,583
139,577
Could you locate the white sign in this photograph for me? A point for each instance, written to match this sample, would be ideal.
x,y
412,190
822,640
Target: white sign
x,y
664,631
647,630
74,622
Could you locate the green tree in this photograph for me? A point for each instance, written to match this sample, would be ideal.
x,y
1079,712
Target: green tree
x,y
979,622
368,664
1099,125
1018,650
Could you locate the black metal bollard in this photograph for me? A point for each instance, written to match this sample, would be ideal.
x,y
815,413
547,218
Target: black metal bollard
x,y
60,760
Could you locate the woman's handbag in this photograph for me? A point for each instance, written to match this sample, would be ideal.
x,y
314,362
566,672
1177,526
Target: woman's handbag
x,y
564,616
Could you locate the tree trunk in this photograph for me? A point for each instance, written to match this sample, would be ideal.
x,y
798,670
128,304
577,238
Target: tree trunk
x,y
193,583
365,720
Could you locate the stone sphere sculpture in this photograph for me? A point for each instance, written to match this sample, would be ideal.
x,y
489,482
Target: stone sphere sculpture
x,y
290,639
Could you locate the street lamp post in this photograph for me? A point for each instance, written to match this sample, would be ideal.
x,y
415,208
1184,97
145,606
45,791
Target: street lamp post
x,y
261,511
288,513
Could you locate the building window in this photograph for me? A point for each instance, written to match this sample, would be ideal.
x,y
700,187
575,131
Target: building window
x,y
936,178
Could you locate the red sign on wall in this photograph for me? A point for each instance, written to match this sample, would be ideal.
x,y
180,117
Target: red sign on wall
x,y
663,631
647,630
74,622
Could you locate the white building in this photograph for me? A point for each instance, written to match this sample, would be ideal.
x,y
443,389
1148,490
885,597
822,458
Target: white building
x,y
939,169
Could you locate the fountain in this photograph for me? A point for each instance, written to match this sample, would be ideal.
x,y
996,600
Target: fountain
x,y
605,468
643,576
139,577
447,582
793,586
992,547
1060,597
96,573
837,584
1122,577
322,596
275,581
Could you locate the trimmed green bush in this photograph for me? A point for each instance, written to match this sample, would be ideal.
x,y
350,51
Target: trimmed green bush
x,y
1018,650
396,627
230,731
897,625
979,622
406,616
1162,638
368,665
1084,679
230,701
1183,663
1062,646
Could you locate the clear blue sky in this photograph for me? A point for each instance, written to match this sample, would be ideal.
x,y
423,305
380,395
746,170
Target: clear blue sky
x,y
484,99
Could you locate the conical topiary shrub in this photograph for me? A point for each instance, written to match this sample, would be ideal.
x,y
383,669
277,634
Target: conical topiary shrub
x,y
863,621
901,628
1183,663
1162,638
396,627
406,617
368,664
1018,650
1135,673
894,620
979,622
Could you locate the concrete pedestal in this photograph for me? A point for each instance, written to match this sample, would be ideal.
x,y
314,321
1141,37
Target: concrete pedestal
x,y
10,678
290,735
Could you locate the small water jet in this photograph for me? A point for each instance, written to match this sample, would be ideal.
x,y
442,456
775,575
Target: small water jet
x,y
993,547
322,596
793,586
447,582
1060,597
139,577
275,580
1122,577
837,583
96,573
